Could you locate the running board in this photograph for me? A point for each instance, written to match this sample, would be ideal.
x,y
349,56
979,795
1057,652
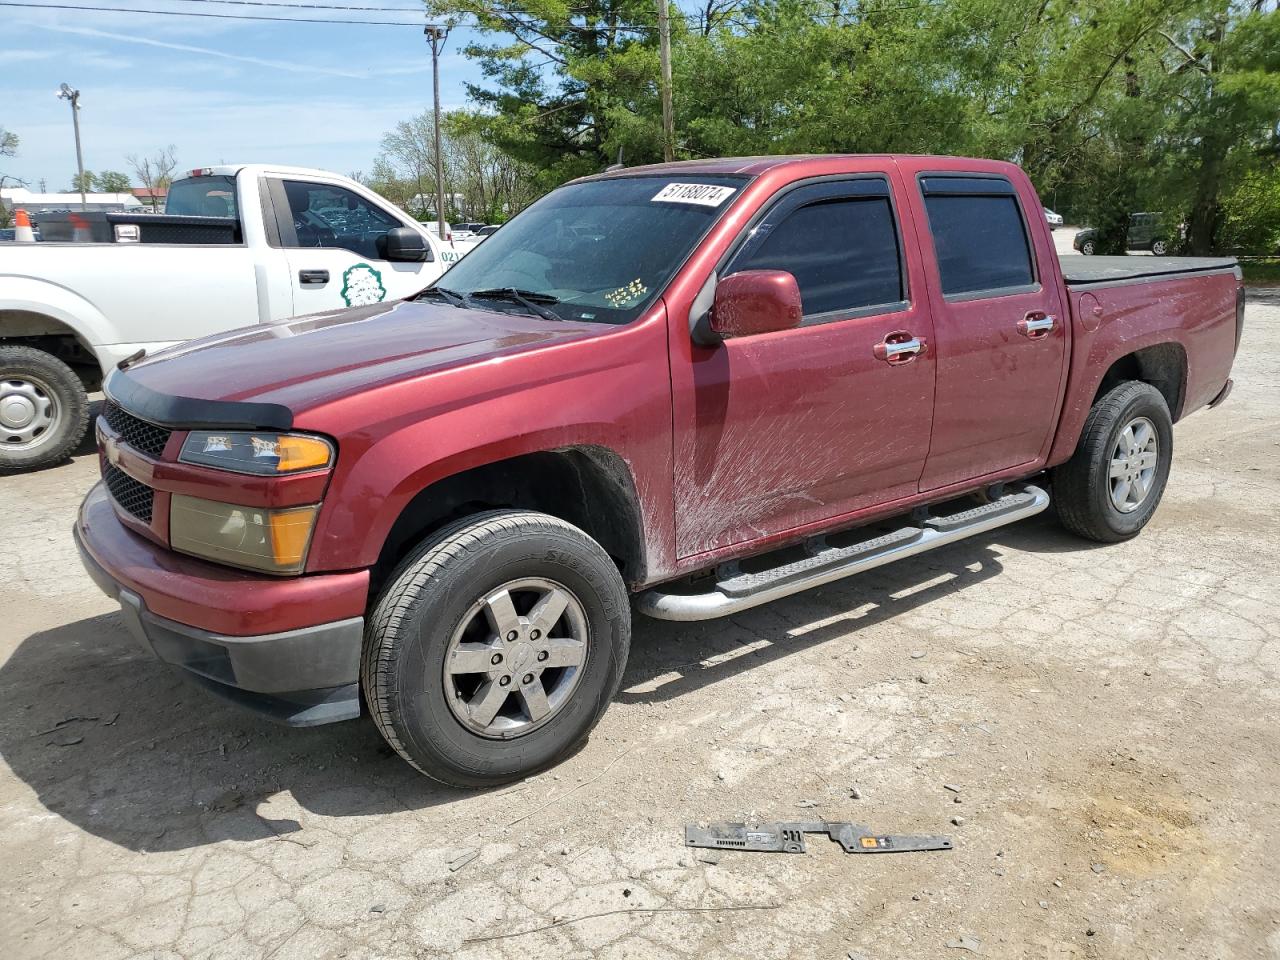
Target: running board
x,y
734,590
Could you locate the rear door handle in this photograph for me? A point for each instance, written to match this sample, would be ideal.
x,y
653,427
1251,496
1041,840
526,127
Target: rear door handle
x,y
899,347
1036,325
313,276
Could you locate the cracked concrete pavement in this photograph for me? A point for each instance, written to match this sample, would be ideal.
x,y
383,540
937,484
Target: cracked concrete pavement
x,y
1109,715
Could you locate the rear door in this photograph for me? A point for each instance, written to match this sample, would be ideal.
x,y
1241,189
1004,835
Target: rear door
x,y
332,239
999,325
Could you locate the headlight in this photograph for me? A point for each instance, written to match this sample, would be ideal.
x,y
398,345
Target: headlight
x,y
274,541
264,454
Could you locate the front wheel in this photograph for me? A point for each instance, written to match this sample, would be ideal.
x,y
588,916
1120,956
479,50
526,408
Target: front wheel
x,y
1113,483
1159,248
496,648
44,411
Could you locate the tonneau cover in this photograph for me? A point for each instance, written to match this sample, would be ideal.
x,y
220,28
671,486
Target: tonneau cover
x,y
1082,270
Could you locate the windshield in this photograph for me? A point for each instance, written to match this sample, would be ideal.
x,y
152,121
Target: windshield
x,y
202,197
602,249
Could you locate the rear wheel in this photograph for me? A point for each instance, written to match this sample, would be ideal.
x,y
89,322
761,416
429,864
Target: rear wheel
x,y
496,647
1113,483
44,411
1159,248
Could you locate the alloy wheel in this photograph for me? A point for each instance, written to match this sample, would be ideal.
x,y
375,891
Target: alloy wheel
x,y
515,658
1134,460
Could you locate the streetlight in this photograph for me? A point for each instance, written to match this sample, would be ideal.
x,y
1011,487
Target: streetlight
x,y
437,35
65,92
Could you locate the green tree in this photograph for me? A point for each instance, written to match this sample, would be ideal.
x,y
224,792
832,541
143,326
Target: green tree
x,y
567,85
82,182
112,181
1228,59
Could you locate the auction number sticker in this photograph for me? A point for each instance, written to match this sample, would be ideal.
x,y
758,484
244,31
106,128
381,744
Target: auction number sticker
x,y
703,194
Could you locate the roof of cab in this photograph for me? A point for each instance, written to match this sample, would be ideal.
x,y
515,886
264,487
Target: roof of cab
x,y
755,166
232,169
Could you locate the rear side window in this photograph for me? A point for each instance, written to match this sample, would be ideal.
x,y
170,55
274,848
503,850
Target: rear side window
x,y
980,238
842,251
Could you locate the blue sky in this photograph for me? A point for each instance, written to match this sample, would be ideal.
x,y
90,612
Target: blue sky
x,y
316,95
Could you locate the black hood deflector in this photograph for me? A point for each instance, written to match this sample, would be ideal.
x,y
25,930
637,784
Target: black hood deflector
x,y
190,413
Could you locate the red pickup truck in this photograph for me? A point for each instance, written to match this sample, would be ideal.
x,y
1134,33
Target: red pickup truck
x,y
707,385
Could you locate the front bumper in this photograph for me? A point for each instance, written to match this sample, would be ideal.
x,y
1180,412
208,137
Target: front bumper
x,y
301,676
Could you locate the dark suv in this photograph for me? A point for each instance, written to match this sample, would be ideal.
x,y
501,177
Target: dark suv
x,y
1147,231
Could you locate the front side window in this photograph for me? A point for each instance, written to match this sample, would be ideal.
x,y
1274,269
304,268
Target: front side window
x,y
979,238
599,251
843,253
331,216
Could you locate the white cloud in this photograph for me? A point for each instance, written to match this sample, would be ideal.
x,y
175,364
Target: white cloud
x,y
204,51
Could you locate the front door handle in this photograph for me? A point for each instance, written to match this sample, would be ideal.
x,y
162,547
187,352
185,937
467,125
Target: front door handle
x,y
1036,325
315,277
899,347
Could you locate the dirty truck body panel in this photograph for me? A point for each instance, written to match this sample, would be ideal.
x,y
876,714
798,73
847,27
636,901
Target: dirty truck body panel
x,y
937,350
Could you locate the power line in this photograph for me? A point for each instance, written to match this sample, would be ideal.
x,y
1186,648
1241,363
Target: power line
x,y
300,6
215,16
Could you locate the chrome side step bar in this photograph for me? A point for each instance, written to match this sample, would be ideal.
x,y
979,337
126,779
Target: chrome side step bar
x,y
734,590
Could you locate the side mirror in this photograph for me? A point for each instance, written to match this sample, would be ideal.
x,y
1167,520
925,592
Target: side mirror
x,y
404,245
755,301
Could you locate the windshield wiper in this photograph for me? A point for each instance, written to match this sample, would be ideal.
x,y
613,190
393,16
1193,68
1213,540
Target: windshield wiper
x,y
529,299
457,299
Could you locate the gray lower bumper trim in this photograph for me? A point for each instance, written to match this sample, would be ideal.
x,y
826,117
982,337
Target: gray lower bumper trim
x,y
300,677
326,655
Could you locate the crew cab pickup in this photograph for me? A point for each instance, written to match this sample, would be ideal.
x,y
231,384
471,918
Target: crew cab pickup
x,y
236,245
685,389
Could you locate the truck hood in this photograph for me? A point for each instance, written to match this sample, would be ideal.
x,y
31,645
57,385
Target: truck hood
x,y
312,360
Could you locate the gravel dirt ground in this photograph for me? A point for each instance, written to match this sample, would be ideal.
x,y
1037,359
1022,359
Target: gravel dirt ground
x,y
1108,715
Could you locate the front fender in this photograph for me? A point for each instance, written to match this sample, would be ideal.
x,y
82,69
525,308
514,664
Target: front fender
x,y
611,392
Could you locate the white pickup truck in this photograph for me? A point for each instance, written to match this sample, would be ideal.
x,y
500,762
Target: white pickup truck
x,y
237,245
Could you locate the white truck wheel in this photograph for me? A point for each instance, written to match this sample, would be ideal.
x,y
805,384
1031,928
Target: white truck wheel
x,y
44,411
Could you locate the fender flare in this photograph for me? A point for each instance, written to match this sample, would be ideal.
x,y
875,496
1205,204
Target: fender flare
x,y
30,295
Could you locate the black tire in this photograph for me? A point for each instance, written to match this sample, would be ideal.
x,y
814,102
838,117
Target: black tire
x,y
1159,247
26,372
1082,487
431,594
1087,248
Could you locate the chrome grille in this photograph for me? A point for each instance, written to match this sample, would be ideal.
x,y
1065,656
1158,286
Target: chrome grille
x,y
142,436
133,497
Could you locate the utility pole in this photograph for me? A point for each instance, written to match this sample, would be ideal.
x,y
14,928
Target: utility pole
x,y
437,35
65,92
664,55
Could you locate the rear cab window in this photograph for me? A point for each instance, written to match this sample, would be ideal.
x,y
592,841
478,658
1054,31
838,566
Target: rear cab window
x,y
202,197
979,236
839,239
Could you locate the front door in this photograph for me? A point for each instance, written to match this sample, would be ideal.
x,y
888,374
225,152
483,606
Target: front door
x,y
779,430
331,238
1000,326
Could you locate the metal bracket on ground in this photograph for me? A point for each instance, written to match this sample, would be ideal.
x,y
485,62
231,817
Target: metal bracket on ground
x,y
789,838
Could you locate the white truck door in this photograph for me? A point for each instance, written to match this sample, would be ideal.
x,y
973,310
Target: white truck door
x,y
330,235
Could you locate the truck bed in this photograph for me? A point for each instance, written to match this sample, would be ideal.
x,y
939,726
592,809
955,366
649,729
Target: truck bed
x,y
1079,271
